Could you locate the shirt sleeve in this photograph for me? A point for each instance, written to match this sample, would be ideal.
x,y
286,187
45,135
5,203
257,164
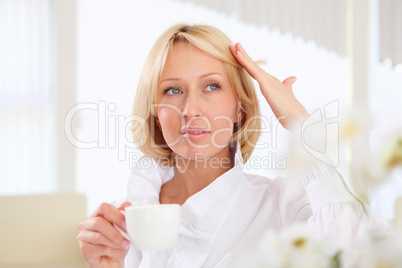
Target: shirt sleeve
x,y
336,210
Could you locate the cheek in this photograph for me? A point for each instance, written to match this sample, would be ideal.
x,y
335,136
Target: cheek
x,y
225,113
223,121
166,113
170,121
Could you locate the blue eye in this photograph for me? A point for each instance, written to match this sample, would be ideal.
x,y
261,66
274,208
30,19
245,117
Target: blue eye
x,y
172,91
212,87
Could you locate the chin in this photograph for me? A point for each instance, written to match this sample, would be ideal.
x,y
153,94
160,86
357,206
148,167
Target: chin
x,y
193,154
197,150
197,154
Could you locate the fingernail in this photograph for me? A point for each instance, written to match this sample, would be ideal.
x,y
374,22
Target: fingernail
x,y
238,52
125,244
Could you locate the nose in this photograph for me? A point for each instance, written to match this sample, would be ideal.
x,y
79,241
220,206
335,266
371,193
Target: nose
x,y
192,107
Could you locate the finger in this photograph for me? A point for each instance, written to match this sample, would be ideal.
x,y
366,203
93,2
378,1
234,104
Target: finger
x,y
101,232
245,60
288,82
94,253
110,213
97,238
104,233
124,205
242,52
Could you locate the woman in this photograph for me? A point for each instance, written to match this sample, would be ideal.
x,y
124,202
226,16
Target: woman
x,y
199,108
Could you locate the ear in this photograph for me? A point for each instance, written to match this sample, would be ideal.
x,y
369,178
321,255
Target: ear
x,y
239,116
158,123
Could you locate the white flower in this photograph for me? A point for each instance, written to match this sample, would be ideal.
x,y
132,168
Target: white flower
x,y
369,170
366,172
354,124
366,168
292,247
378,248
391,153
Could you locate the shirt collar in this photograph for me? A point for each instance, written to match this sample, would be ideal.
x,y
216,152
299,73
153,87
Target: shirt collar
x,y
202,211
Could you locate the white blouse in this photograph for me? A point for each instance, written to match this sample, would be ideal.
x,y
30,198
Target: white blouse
x,y
228,217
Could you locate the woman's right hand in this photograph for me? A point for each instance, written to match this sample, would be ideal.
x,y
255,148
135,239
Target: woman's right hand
x,y
101,244
279,95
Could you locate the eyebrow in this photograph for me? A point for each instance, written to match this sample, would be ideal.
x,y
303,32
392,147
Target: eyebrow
x,y
201,76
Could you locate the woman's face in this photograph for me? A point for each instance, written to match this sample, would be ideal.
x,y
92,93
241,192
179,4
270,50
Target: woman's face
x,y
196,107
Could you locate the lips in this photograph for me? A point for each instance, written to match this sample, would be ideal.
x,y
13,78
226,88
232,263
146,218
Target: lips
x,y
194,133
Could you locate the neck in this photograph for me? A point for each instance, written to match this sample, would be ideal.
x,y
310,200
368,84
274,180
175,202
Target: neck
x,y
193,175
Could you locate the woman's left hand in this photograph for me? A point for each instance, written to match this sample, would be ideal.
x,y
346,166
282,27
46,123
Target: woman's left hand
x,y
279,95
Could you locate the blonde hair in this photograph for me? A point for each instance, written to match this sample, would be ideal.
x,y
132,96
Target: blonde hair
x,y
147,134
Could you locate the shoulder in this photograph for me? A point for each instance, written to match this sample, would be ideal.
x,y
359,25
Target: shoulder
x,y
146,179
284,189
285,195
257,180
274,188
277,183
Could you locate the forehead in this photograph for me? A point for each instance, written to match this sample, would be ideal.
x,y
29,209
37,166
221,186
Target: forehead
x,y
184,59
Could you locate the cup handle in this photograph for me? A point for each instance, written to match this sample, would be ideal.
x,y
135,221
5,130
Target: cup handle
x,y
123,233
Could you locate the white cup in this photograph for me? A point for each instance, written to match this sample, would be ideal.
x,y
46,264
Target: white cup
x,y
152,227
